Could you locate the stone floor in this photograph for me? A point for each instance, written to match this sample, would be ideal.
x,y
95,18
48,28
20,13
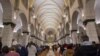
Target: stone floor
x,y
47,53
50,53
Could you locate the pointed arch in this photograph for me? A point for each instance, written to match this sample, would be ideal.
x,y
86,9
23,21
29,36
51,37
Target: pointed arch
x,y
24,21
74,20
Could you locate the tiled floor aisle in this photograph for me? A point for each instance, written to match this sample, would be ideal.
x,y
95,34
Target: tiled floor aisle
x,y
47,53
50,53
44,53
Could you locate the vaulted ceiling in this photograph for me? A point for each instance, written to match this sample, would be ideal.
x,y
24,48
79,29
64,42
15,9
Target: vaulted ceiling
x,y
49,13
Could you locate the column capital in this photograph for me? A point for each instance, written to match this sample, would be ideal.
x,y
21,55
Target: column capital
x,y
85,22
25,32
33,36
9,23
73,31
67,34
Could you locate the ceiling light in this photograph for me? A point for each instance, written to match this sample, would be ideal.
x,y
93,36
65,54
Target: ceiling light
x,y
34,16
82,13
97,21
15,15
78,32
2,26
64,16
22,34
15,31
59,26
84,27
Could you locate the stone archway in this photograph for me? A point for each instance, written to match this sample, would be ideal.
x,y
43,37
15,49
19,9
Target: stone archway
x,y
25,30
74,25
74,20
24,22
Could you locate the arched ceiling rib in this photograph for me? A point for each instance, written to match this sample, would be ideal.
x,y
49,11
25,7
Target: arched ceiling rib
x,y
51,10
49,13
59,3
48,6
44,22
46,3
55,18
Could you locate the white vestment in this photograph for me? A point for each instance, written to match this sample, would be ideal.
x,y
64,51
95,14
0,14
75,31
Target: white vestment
x,y
32,51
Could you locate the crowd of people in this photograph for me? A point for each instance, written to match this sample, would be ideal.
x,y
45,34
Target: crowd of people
x,y
31,49
86,48
77,50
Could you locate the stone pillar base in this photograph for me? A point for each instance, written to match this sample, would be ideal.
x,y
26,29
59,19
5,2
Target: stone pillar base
x,y
91,30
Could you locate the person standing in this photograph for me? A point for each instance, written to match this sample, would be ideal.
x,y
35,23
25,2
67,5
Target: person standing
x,y
5,51
31,50
12,52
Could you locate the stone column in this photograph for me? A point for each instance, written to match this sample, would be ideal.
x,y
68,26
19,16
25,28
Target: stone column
x,y
7,33
62,41
91,30
59,41
1,31
33,38
19,38
15,36
74,36
25,38
67,39
38,42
